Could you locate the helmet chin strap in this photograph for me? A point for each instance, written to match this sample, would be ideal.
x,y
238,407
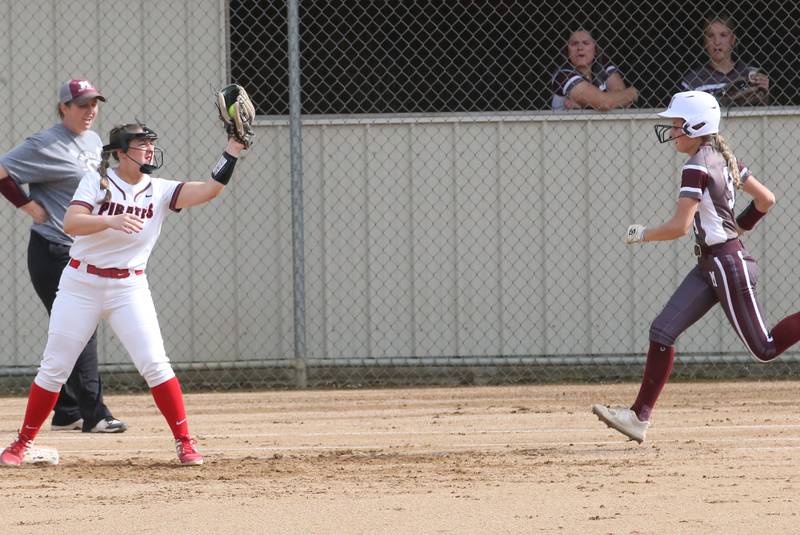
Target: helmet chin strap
x,y
144,168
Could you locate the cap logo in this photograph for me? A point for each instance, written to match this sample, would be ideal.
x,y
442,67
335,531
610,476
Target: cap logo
x,y
79,87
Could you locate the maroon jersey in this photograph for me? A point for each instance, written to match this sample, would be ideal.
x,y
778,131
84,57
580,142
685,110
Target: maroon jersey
x,y
707,78
567,77
706,177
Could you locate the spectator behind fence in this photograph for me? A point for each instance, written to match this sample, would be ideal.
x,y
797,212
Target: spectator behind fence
x,y
731,81
588,79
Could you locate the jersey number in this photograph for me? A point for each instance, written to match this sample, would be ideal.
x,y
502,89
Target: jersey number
x,y
730,196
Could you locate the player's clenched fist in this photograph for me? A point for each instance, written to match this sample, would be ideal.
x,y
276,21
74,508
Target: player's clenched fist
x,y
127,223
635,234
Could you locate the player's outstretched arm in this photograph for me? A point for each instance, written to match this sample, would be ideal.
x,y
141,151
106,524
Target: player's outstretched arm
x,y
195,192
79,221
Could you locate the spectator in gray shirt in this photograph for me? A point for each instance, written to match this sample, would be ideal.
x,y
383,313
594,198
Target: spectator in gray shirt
x,y
51,163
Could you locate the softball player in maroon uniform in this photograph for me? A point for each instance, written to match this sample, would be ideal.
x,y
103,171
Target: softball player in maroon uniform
x,y
725,272
116,218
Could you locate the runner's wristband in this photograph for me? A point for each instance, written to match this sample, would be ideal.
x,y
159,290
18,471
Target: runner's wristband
x,y
223,171
13,192
749,217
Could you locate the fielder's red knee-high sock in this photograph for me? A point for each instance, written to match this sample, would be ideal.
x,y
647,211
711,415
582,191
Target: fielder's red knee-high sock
x,y
40,403
786,333
656,374
169,400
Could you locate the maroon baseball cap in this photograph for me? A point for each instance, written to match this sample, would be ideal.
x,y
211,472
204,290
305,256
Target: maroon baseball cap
x,y
80,91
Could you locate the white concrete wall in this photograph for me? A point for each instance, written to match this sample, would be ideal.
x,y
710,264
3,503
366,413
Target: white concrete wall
x,y
503,235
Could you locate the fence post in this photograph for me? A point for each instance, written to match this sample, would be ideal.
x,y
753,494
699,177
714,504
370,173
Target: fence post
x,y
296,155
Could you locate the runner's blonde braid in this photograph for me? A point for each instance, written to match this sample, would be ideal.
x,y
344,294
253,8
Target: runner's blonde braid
x,y
727,153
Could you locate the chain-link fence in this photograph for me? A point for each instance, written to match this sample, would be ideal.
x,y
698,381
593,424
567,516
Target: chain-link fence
x,y
453,227
421,56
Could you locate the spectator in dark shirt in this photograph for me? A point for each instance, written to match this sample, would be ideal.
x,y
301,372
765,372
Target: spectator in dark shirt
x,y
731,81
588,79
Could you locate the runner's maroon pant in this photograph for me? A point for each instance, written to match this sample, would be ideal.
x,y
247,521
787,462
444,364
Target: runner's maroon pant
x,y
730,279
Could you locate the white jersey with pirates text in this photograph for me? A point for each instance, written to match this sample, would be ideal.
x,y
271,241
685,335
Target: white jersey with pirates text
x,y
149,199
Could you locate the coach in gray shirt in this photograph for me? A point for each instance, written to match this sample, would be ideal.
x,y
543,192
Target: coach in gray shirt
x,y
52,163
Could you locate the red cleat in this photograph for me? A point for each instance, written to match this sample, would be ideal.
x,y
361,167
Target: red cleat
x,y
15,453
187,451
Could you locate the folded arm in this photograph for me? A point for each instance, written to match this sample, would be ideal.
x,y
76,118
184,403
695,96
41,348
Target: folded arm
x,y
79,221
586,95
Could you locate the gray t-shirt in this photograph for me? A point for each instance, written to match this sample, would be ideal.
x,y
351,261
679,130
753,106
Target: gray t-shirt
x,y
52,163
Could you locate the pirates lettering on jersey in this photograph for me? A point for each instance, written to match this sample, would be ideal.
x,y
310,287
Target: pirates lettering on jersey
x,y
113,208
150,199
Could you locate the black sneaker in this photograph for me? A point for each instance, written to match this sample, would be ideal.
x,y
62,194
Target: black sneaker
x,y
109,425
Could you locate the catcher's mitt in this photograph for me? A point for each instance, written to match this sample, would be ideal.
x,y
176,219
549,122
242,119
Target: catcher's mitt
x,y
741,92
237,112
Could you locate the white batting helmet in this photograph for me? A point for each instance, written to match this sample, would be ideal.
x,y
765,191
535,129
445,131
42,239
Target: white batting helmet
x,y
698,109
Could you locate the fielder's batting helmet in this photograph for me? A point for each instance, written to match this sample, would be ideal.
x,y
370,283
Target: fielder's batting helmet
x,y
120,137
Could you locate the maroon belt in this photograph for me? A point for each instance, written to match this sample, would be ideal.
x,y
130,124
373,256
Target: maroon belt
x,y
728,247
109,273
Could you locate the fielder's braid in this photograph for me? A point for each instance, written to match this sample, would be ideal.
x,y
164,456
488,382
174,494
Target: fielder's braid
x,y
727,153
103,170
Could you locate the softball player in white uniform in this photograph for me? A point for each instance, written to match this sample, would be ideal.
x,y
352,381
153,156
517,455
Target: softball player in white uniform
x,y
116,217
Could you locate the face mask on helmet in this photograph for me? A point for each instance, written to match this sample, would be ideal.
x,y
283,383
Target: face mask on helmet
x,y
120,139
699,111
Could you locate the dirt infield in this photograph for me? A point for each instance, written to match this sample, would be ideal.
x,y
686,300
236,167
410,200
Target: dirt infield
x,y
721,457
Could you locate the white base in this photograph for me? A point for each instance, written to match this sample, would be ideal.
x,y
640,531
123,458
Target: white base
x,y
37,455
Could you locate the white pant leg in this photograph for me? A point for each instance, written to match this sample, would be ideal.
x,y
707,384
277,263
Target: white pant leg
x,y
133,317
74,317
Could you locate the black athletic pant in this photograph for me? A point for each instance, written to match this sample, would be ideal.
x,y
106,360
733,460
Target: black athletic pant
x,y
82,395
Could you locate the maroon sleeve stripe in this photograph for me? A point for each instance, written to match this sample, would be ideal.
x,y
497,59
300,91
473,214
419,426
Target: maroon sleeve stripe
x,y
174,199
82,203
693,178
692,193
744,172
